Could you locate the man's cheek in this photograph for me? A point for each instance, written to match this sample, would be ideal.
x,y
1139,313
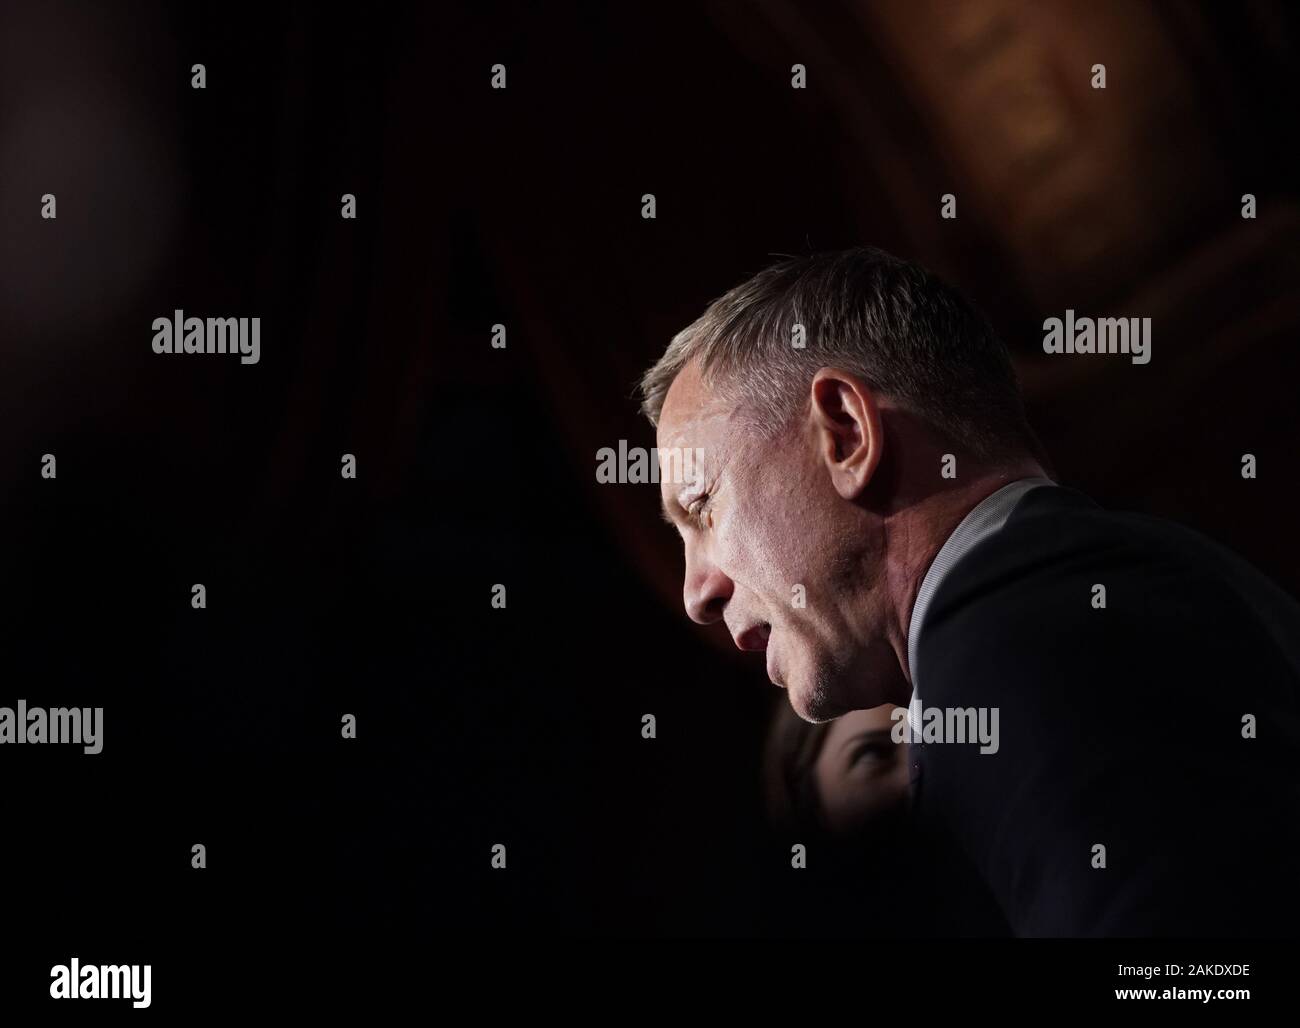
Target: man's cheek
x,y
747,556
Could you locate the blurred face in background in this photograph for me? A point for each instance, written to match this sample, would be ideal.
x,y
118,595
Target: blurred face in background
x,y
860,773
846,777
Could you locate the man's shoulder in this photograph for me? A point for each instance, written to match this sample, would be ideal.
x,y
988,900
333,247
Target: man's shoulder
x,y
1056,546
1106,652
1057,537
1066,582
1055,531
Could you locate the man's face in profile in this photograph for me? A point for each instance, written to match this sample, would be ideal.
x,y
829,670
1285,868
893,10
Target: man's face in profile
x,y
771,548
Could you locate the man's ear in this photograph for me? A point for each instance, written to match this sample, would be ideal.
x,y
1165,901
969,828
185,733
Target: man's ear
x,y
845,417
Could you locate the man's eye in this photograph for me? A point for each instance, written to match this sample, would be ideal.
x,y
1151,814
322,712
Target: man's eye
x,y
696,510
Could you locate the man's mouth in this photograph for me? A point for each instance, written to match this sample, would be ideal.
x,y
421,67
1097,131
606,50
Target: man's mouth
x,y
754,638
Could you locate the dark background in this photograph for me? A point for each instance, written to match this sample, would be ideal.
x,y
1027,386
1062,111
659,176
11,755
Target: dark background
x,y
476,466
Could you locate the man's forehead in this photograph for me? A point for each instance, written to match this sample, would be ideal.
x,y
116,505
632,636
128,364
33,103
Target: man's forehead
x,y
692,435
691,410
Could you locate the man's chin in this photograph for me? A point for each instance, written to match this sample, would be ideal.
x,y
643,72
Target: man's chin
x,y
812,702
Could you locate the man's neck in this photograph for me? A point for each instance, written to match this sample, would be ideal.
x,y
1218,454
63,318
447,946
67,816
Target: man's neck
x,y
914,535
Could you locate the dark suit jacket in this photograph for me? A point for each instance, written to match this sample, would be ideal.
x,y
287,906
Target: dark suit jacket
x,y
1120,727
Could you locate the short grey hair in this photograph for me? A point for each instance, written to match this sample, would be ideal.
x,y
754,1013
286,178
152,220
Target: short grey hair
x,y
903,330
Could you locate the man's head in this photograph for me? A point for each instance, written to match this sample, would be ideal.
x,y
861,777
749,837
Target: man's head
x,y
823,395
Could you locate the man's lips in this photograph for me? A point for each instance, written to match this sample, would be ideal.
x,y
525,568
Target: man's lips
x,y
754,638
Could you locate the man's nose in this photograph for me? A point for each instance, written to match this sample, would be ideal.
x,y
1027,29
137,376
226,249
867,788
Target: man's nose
x,y
706,592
